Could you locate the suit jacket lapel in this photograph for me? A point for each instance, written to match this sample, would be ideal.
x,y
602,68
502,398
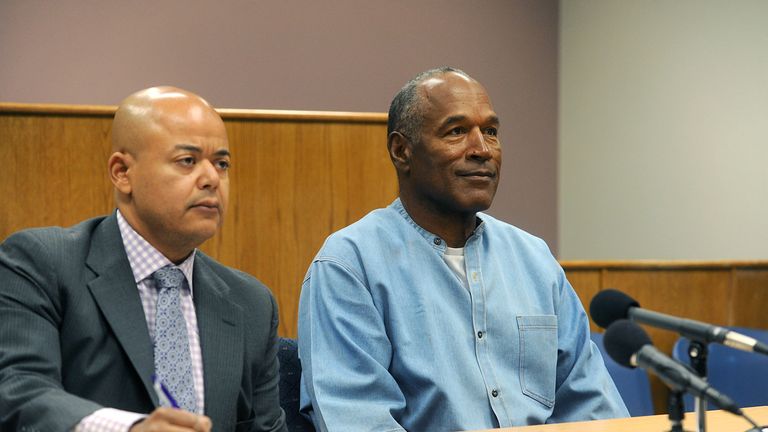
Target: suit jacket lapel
x,y
221,341
118,298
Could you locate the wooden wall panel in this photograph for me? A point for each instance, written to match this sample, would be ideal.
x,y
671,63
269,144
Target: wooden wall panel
x,y
587,284
54,170
296,178
750,298
294,184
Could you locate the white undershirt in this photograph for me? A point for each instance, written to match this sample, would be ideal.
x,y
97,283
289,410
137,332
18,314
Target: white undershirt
x,y
454,257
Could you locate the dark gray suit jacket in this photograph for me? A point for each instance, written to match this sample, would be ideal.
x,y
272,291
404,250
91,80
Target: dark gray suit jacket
x,y
73,336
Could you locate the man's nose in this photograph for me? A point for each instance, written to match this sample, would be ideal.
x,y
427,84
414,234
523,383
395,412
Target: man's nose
x,y
209,175
478,148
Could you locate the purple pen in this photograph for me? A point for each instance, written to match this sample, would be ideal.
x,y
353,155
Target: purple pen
x,y
163,394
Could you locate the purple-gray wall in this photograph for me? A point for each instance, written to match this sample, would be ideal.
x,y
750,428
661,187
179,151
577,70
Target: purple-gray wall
x,y
340,55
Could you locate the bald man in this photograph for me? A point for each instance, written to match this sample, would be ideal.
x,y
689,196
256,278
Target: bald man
x,y
84,315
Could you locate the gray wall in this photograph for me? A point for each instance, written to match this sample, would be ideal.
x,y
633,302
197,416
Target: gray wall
x,y
342,55
663,129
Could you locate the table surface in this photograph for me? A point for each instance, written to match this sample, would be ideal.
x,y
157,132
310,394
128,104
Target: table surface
x,y
717,421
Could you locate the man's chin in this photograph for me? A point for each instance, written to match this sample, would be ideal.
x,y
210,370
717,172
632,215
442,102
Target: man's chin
x,y
203,231
473,203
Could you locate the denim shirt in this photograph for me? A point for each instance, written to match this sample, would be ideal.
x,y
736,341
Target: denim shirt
x,y
391,339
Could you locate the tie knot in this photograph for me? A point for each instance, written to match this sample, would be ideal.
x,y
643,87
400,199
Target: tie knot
x,y
168,277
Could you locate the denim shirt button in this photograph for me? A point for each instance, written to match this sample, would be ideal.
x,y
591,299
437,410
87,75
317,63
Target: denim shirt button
x,y
437,241
479,335
495,393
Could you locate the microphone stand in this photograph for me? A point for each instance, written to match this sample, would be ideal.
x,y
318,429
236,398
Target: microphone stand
x,y
676,411
697,354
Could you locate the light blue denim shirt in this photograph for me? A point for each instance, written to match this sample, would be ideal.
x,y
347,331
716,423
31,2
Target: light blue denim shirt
x,y
390,338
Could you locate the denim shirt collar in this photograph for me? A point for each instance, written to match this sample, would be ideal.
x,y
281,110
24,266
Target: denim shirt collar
x,y
435,240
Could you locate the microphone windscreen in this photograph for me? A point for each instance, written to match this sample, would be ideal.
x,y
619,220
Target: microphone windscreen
x,y
623,339
610,305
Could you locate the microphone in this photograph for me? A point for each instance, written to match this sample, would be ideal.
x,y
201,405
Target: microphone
x,y
611,305
630,346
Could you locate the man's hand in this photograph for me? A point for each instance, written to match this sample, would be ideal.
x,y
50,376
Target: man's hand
x,y
172,420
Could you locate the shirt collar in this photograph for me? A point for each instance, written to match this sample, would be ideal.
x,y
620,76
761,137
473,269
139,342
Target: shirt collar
x,y
144,258
397,205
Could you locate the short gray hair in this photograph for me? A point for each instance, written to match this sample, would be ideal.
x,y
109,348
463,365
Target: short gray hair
x,y
406,113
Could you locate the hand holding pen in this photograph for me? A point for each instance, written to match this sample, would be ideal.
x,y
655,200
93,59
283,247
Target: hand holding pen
x,y
170,416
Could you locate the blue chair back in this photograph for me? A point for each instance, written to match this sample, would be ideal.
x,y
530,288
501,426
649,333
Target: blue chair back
x,y
633,384
290,383
742,376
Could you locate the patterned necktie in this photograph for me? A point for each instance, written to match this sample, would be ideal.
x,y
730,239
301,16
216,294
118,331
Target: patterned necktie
x,y
173,364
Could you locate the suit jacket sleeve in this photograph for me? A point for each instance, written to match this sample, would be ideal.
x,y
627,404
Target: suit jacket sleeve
x,y
31,394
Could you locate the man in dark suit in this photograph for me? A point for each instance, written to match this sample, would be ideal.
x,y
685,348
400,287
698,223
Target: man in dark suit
x,y
83,315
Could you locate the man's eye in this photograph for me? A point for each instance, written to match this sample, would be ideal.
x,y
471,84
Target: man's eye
x,y
457,131
187,161
492,131
223,165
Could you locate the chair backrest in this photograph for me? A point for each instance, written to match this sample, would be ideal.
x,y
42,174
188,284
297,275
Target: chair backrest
x,y
290,383
742,376
633,384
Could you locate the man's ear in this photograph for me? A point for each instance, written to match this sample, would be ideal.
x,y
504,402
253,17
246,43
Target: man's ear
x,y
399,148
119,164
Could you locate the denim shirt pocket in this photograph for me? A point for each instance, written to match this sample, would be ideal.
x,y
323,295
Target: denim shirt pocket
x,y
538,357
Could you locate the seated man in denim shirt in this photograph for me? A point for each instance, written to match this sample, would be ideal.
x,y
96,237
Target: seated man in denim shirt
x,y
430,316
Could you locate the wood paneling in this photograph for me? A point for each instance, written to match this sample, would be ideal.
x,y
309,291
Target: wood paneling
x,y
54,170
296,177
586,283
750,298
294,183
